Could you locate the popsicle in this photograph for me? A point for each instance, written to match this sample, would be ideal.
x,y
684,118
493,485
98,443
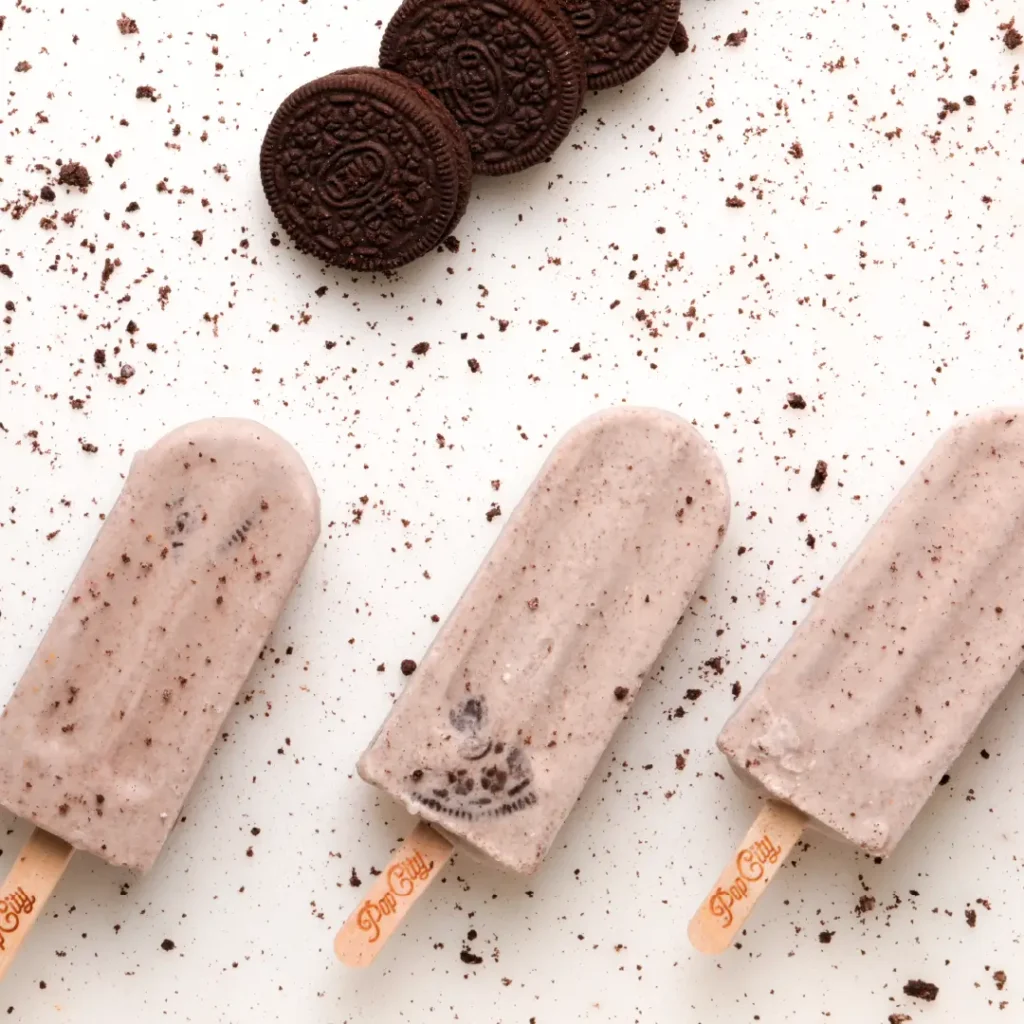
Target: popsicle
x,y
109,726
884,682
500,727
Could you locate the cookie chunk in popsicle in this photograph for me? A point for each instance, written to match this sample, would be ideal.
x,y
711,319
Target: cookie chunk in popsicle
x,y
511,708
857,719
109,726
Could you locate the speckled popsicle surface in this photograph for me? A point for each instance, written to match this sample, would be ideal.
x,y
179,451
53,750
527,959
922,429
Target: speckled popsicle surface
x,y
501,726
885,681
119,707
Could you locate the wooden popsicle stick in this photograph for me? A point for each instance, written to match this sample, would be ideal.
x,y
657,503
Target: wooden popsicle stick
x,y
764,849
26,889
396,890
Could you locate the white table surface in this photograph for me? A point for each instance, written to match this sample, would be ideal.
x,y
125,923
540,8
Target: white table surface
x,y
891,312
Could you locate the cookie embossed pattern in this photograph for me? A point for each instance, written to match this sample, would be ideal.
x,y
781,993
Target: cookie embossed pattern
x,y
621,39
498,782
365,170
510,71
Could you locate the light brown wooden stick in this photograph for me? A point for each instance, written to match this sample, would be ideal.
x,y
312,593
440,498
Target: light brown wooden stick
x,y
392,896
764,849
26,889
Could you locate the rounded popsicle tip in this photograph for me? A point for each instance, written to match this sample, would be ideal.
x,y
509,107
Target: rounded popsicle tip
x,y
658,437
244,448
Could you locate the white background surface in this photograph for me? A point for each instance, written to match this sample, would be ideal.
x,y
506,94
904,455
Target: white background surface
x,y
889,317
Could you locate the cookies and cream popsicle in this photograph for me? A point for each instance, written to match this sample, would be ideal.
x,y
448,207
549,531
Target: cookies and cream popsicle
x,y
109,726
510,710
882,685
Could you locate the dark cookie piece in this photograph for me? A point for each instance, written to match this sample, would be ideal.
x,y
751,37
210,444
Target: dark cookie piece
x,y
510,71
621,38
365,169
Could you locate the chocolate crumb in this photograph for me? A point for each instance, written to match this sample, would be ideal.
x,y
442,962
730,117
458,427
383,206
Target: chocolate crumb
x,y
737,689
354,880
735,202
1013,38
820,475
972,917
167,945
452,244
146,92
127,26
736,38
921,990
197,237
621,692
999,977
961,6
825,937
493,512
899,1018
74,175
47,194
680,762
810,541
408,666
796,401
421,348
474,365
470,958
796,151
680,41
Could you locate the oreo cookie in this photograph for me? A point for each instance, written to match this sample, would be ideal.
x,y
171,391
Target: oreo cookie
x,y
621,38
510,71
365,169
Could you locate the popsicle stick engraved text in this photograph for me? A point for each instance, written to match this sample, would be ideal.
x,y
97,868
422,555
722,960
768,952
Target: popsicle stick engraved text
x,y
750,867
12,909
401,878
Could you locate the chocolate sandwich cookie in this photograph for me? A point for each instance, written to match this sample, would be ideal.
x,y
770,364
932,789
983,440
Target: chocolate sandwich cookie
x,y
621,38
365,169
510,71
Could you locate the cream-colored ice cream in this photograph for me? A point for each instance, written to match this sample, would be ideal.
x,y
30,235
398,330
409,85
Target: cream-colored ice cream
x,y
114,716
884,682
511,708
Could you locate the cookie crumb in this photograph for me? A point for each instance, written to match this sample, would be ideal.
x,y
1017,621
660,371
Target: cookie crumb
x,y
408,666
680,41
820,475
74,175
736,38
921,990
